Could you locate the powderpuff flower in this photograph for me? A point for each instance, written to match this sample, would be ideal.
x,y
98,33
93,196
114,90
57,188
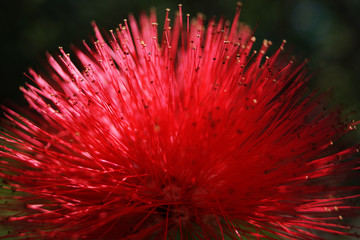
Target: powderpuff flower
x,y
192,136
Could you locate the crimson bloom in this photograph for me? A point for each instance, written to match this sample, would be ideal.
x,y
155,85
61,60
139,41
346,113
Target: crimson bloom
x,y
194,136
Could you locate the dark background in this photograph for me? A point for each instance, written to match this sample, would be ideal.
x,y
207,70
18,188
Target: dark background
x,y
326,31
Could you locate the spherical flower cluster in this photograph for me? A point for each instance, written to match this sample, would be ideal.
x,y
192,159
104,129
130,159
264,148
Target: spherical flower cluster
x,y
185,133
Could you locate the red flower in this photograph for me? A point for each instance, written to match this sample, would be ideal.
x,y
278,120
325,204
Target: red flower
x,y
194,136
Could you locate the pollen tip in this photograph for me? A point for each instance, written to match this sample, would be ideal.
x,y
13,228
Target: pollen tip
x,y
265,43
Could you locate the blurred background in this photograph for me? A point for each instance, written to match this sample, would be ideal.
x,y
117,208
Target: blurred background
x,y
326,31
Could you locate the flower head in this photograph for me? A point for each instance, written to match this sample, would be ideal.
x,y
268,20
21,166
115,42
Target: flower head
x,y
193,136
